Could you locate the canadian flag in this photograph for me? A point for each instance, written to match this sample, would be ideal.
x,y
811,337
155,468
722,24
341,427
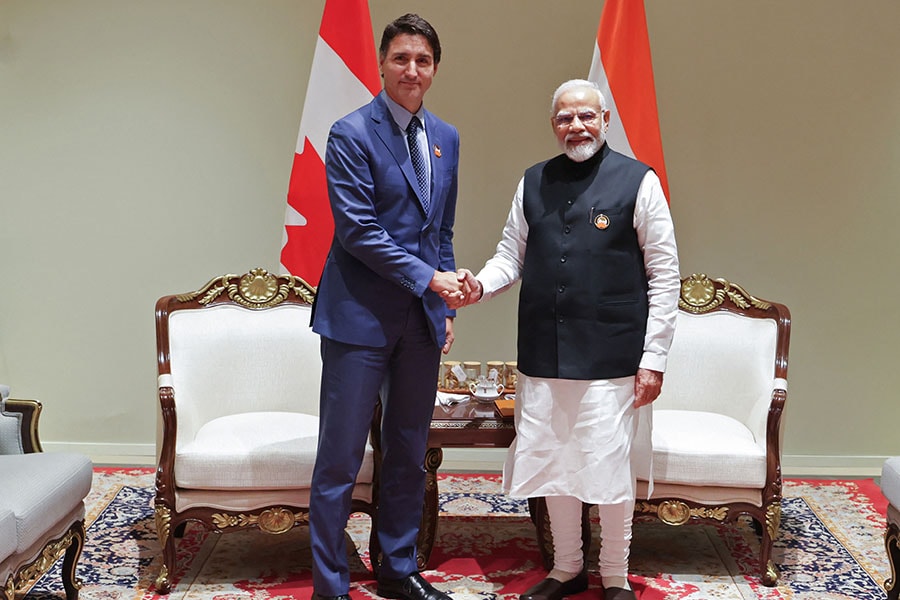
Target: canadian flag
x,y
623,70
344,76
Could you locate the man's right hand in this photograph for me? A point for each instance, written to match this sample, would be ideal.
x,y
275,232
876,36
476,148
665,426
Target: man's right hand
x,y
472,288
447,286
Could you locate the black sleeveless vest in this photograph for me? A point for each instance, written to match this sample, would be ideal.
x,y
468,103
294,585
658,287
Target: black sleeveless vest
x,y
583,301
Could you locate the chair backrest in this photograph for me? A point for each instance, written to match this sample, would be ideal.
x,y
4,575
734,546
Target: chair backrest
x,y
728,354
239,344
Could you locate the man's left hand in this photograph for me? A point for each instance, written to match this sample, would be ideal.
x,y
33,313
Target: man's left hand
x,y
448,342
647,385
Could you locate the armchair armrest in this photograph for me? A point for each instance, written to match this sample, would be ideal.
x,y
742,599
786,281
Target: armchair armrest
x,y
28,413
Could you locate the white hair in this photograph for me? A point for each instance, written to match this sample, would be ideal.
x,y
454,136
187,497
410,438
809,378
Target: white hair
x,y
573,84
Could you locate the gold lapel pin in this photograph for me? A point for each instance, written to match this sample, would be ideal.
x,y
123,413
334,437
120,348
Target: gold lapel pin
x,y
601,221
437,150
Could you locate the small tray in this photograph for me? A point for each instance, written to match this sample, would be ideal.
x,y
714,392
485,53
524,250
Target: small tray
x,y
506,406
466,391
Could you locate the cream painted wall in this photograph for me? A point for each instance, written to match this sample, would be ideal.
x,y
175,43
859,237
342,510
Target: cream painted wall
x,y
146,147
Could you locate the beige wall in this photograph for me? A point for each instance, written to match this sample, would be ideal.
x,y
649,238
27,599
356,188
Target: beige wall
x,y
146,147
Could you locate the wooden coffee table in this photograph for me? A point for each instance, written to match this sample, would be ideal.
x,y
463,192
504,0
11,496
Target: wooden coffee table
x,y
467,425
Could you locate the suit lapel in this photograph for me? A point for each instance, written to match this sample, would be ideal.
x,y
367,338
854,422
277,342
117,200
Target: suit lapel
x,y
386,129
437,161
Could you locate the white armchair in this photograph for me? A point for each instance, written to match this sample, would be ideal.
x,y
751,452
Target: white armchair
x,y
717,425
41,503
239,370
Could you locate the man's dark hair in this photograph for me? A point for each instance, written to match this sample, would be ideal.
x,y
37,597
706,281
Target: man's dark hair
x,y
411,24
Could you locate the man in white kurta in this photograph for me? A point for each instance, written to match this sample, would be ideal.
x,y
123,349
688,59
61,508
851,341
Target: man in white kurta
x,y
581,438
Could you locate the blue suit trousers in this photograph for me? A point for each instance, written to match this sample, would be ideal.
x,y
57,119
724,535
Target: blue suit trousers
x,y
404,373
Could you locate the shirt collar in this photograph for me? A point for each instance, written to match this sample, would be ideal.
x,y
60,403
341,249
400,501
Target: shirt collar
x,y
402,116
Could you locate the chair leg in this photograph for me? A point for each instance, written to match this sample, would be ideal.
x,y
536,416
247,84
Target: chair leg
x,y
892,545
768,570
70,581
167,541
430,509
374,546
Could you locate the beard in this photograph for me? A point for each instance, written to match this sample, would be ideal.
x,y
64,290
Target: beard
x,y
582,151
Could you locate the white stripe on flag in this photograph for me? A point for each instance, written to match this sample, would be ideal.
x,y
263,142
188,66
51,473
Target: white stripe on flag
x,y
616,135
333,92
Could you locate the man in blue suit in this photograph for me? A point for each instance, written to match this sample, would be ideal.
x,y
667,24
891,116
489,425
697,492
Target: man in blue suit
x,y
382,310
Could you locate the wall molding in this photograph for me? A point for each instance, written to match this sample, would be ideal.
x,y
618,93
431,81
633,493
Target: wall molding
x,y
484,460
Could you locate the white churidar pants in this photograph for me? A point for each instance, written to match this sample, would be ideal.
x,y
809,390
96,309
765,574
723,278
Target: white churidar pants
x,y
581,441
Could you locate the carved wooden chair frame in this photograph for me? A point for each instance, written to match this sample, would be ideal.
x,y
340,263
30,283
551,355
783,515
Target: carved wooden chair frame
x,y
892,545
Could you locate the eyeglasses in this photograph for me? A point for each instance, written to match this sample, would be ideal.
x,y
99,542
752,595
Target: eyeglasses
x,y
587,117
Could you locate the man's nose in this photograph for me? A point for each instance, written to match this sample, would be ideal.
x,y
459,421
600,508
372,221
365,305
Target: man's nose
x,y
411,69
577,125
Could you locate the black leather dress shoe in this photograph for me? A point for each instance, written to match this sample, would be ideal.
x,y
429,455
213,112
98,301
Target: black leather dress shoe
x,y
617,593
552,589
411,587
317,596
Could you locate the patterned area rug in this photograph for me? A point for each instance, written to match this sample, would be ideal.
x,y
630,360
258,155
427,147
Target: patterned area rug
x,y
830,547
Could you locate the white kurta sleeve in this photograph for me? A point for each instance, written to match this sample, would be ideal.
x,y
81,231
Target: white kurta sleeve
x,y
656,236
504,269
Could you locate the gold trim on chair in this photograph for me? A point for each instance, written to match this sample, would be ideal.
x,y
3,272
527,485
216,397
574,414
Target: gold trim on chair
x,y
676,512
256,290
273,520
700,294
29,573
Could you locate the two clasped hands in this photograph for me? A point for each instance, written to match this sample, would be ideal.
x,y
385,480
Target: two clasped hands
x,y
457,289
462,289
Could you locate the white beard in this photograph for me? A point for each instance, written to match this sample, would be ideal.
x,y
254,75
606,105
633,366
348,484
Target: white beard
x,y
583,151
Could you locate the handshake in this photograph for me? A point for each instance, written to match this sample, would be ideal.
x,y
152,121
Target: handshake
x,y
457,289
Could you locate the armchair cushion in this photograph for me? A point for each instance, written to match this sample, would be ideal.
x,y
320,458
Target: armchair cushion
x,y
255,451
64,481
704,448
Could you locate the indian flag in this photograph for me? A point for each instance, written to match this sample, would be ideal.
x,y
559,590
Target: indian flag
x,y
624,71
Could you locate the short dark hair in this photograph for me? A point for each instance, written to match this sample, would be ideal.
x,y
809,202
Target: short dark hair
x,y
411,24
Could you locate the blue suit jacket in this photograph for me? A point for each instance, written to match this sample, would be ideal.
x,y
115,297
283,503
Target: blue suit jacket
x,y
385,248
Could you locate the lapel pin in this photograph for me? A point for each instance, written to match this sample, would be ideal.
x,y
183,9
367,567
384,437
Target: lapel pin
x,y
601,221
437,150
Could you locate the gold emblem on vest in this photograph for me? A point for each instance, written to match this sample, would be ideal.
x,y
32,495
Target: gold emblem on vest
x,y
601,221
